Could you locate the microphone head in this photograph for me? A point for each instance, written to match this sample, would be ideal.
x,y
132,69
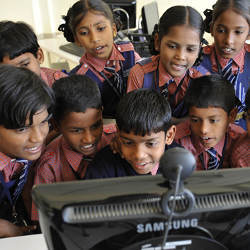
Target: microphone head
x,y
174,157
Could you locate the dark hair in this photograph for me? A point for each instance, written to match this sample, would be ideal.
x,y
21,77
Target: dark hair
x,y
242,7
175,16
143,111
16,39
78,11
75,93
22,94
247,99
211,91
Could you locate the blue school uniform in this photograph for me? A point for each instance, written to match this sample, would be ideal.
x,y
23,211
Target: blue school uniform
x,y
111,75
241,73
149,73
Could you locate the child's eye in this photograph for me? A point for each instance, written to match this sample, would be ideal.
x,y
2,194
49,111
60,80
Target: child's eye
x,y
219,30
22,130
126,143
24,65
213,120
76,131
83,33
101,28
194,120
152,144
171,46
96,126
238,32
192,49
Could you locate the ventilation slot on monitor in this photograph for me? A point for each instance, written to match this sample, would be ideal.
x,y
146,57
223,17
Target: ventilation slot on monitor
x,y
151,207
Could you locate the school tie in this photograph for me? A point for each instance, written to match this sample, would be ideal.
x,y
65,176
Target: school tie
x,y
240,90
164,90
22,178
213,162
117,82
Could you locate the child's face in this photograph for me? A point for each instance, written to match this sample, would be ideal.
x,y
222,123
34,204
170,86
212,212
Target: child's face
x,y
26,60
209,124
179,49
144,152
25,142
95,34
83,131
230,31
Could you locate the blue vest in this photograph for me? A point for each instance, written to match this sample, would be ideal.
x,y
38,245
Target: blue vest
x,y
110,98
244,77
149,82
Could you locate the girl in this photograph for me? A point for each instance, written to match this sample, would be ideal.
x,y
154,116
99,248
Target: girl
x,y
90,24
177,41
229,56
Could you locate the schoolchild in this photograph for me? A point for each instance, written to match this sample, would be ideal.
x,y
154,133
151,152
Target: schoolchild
x,y
19,47
78,117
210,132
144,132
25,108
90,24
229,55
241,150
177,48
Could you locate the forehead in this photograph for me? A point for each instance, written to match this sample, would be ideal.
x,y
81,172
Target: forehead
x,y
207,112
231,18
38,117
183,34
19,59
81,119
92,18
139,138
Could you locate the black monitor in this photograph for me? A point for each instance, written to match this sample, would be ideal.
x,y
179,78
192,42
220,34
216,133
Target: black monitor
x,y
127,213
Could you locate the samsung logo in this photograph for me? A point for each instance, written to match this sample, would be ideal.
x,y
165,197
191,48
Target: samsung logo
x,y
161,226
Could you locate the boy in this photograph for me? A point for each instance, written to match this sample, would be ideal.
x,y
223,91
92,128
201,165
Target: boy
x,y
19,47
209,133
241,151
144,132
78,117
25,107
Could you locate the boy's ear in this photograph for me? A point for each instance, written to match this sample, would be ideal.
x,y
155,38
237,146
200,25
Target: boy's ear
x,y
232,115
170,134
156,42
40,55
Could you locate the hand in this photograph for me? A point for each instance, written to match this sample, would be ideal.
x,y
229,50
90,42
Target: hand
x,y
8,229
115,146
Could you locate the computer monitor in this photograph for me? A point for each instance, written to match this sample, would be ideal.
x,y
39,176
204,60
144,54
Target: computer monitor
x,y
127,213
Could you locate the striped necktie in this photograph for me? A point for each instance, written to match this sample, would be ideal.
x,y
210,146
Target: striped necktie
x,y
164,89
22,179
213,162
240,90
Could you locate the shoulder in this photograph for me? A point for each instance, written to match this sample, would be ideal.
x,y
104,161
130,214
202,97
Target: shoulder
x,y
182,130
124,46
247,47
51,75
207,50
241,153
197,71
148,64
235,131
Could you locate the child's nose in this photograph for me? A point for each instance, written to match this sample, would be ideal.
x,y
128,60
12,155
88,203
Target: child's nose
x,y
229,38
180,54
204,128
88,137
94,36
37,135
139,152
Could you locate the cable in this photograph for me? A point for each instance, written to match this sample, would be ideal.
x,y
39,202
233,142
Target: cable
x,y
178,177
